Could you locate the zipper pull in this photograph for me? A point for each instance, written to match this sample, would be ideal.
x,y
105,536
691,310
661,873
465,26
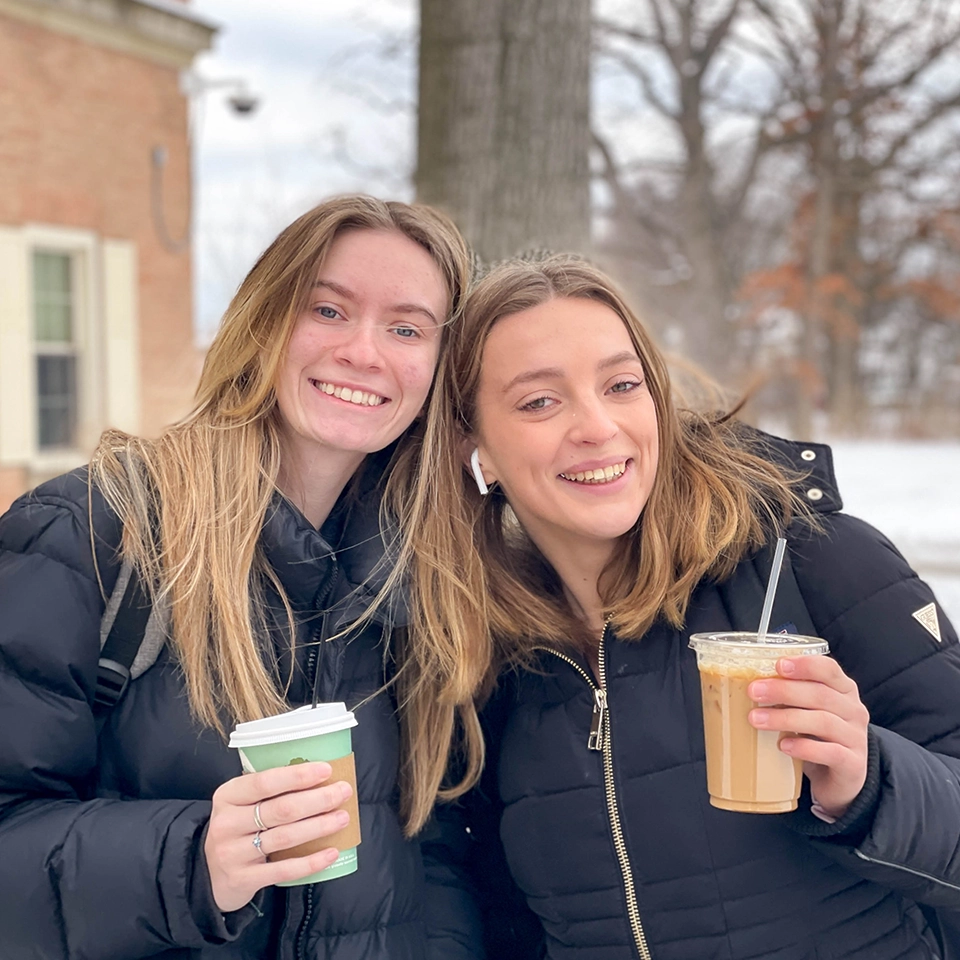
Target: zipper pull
x,y
595,740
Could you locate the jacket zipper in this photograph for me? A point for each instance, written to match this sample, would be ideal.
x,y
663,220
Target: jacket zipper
x,y
900,866
313,657
319,635
305,922
313,661
599,740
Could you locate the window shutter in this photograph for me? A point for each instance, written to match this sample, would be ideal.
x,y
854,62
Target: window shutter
x,y
17,384
121,335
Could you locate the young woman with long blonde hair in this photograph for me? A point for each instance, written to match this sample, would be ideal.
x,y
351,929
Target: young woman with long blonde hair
x,y
571,527
254,526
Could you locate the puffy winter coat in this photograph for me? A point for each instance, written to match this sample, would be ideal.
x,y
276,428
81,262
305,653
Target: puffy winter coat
x,y
619,855
101,839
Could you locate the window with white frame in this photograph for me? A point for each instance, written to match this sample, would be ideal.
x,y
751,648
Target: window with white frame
x,y
55,349
69,354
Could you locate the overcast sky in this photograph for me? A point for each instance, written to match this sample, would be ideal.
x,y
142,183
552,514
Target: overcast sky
x,y
323,124
336,81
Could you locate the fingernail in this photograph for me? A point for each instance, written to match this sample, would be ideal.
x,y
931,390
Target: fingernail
x,y
786,746
758,690
345,789
343,818
787,666
759,717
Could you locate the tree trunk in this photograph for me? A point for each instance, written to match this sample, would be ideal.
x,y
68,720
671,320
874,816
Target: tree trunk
x,y
845,387
708,331
504,131
809,380
819,262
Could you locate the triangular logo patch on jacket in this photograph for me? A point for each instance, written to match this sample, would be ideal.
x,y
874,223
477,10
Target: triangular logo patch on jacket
x,y
927,618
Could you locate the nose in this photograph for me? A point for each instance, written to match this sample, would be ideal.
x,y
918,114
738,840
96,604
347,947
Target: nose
x,y
591,423
359,347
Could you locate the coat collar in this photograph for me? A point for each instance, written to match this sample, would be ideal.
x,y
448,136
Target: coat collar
x,y
811,464
300,555
306,559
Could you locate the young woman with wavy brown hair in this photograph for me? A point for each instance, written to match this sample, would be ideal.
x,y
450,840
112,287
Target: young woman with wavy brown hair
x,y
571,526
254,524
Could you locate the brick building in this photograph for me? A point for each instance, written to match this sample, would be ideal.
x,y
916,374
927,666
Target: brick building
x,y
95,278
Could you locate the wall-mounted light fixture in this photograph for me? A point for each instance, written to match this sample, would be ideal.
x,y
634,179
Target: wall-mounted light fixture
x,y
193,86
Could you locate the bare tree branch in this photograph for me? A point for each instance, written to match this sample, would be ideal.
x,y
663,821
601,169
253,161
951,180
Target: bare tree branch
x,y
783,32
872,55
935,113
627,207
662,38
634,68
733,207
718,34
620,30
926,59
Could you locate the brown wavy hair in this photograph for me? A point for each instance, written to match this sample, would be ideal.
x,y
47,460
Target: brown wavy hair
x,y
193,501
482,596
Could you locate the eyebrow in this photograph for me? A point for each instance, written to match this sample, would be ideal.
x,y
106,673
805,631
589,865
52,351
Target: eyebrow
x,y
555,373
395,308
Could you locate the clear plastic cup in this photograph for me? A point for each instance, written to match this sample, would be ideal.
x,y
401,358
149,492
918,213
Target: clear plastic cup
x,y
746,770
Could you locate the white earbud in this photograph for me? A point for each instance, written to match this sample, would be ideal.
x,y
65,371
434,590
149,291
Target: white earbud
x,y
477,472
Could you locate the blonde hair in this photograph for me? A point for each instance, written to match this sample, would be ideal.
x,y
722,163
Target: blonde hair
x,y
193,501
481,594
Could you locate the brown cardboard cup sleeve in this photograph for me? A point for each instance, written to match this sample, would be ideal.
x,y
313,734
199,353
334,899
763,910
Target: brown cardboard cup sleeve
x,y
344,768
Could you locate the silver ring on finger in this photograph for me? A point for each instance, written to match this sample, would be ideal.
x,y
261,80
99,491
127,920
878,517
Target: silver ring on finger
x,y
257,842
257,819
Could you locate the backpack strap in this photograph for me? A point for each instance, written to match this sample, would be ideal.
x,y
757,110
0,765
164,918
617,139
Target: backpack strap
x,y
133,631
122,632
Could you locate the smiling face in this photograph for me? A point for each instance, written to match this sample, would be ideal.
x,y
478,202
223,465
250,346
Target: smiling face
x,y
566,424
363,351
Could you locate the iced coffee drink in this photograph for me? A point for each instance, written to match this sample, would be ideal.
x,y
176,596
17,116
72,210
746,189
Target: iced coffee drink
x,y
746,771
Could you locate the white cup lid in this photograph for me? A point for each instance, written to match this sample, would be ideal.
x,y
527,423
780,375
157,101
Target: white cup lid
x,y
294,725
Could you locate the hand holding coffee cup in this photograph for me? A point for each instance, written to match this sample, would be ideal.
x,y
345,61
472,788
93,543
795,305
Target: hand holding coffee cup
x,y
746,769
808,720
296,804
818,702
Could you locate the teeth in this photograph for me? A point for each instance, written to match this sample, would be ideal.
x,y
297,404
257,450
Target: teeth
x,y
601,475
351,396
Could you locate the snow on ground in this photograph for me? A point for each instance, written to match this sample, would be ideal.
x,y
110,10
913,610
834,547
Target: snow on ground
x,y
910,491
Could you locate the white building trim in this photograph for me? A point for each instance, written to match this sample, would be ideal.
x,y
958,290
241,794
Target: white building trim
x,y
106,336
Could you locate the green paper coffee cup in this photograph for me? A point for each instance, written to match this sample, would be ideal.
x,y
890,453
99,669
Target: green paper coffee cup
x,y
303,735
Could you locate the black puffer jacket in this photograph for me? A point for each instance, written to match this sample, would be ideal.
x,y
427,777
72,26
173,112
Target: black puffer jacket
x,y
710,883
102,842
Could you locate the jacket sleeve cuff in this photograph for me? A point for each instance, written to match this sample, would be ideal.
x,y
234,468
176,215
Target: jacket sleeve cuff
x,y
854,825
217,927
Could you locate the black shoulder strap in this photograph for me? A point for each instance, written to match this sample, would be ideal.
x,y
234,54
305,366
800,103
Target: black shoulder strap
x,y
122,645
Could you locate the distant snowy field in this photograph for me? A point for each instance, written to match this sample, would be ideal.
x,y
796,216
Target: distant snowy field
x,y
910,491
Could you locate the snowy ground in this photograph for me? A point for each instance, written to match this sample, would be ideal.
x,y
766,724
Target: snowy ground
x,y
910,491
